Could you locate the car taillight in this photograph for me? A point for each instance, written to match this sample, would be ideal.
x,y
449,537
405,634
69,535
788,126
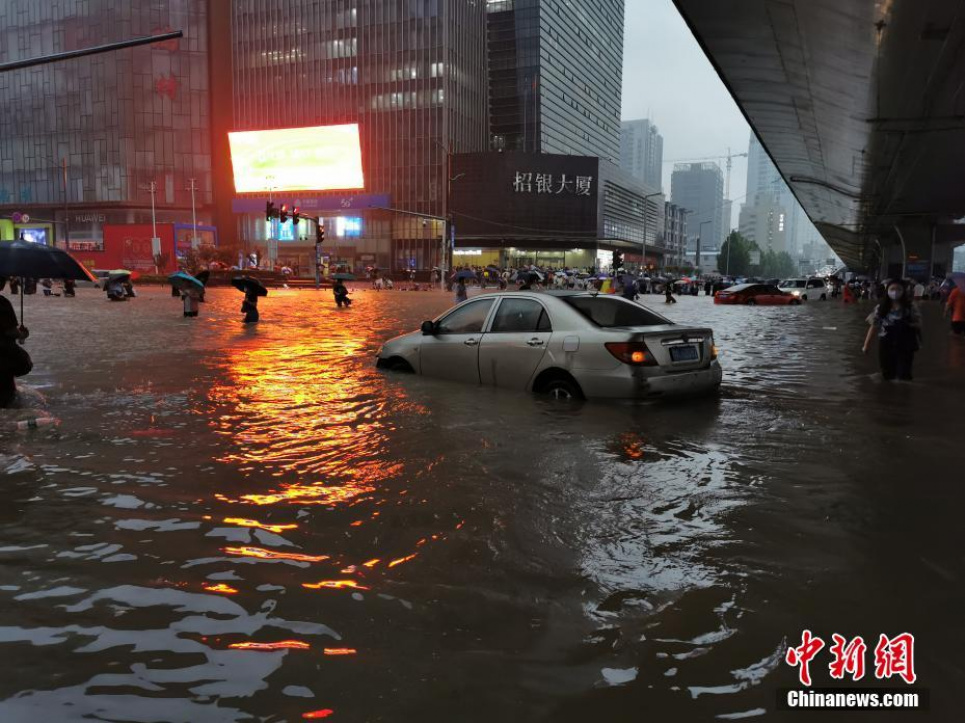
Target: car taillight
x,y
634,353
714,351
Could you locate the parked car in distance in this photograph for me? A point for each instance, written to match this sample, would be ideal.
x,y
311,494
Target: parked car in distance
x,y
565,344
756,294
804,289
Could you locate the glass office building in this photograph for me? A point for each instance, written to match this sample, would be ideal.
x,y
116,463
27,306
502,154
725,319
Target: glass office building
x,y
411,74
699,188
555,76
83,139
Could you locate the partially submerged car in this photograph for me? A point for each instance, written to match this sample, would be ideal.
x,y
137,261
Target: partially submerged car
x,y
566,344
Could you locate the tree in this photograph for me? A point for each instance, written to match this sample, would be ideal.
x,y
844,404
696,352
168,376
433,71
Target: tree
x,y
739,250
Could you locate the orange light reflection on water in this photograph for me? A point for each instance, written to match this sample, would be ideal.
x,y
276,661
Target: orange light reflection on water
x,y
242,522
220,587
314,714
401,560
339,651
264,554
304,495
280,645
334,585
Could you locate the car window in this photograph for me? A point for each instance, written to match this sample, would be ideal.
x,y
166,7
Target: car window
x,y
771,290
467,319
815,284
606,311
520,315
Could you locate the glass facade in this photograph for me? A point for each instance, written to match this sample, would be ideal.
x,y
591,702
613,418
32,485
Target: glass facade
x,y
699,189
641,152
410,73
556,76
120,120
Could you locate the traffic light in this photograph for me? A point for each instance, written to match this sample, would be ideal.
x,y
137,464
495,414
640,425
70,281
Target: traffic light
x,y
319,233
295,218
270,211
283,213
617,260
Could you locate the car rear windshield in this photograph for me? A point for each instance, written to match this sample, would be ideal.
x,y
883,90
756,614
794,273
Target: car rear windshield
x,y
607,311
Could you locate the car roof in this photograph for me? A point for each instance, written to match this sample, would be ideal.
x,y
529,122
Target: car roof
x,y
741,287
534,294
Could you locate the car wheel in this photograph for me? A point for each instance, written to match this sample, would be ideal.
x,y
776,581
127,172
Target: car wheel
x,y
397,364
751,302
804,297
561,389
824,297
794,302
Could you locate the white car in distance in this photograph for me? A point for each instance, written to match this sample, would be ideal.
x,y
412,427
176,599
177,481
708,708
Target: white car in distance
x,y
806,289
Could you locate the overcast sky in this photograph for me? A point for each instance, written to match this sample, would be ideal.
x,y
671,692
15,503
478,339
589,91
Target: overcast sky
x,y
667,78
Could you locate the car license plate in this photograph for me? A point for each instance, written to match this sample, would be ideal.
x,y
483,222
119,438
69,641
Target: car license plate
x,y
683,353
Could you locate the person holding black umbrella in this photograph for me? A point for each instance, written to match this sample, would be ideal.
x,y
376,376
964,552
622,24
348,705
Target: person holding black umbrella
x,y
252,289
340,292
14,359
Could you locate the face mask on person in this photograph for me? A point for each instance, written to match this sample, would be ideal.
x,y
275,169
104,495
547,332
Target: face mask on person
x,y
894,294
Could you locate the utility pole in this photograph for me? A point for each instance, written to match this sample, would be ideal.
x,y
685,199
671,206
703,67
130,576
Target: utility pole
x,y
270,183
700,231
66,209
155,241
194,215
643,244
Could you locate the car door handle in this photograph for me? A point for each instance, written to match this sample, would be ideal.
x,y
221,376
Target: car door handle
x,y
535,342
471,342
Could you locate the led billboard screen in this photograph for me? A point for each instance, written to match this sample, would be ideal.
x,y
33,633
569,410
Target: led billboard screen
x,y
319,158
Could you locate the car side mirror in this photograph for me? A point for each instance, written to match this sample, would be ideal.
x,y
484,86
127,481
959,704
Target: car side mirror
x,y
428,328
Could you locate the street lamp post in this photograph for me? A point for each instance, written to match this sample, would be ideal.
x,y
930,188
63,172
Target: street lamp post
x,y
643,244
684,212
697,257
194,215
155,241
446,216
727,265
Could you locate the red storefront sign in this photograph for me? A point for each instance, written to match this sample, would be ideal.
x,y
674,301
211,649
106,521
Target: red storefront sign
x,y
128,246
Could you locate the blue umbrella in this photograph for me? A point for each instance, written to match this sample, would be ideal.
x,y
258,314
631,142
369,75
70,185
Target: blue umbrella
x,y
959,280
465,274
184,280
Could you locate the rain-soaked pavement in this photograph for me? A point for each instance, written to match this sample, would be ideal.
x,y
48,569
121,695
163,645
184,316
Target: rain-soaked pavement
x,y
239,523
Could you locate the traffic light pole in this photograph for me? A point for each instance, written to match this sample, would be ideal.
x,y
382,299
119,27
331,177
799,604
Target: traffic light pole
x,y
282,215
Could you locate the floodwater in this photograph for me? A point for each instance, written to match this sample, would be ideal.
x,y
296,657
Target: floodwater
x,y
239,523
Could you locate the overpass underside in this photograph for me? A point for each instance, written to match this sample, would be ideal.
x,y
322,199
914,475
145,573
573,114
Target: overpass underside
x,y
861,105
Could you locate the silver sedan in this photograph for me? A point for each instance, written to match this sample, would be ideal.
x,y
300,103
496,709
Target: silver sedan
x,y
568,345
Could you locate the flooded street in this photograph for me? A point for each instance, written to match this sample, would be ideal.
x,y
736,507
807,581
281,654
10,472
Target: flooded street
x,y
239,523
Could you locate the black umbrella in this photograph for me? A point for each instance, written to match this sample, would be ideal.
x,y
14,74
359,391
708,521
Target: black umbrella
x,y
249,284
203,276
28,260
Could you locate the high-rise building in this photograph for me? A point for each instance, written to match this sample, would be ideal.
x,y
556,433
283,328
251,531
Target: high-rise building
x,y
555,76
765,223
699,188
412,75
84,139
641,151
767,189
